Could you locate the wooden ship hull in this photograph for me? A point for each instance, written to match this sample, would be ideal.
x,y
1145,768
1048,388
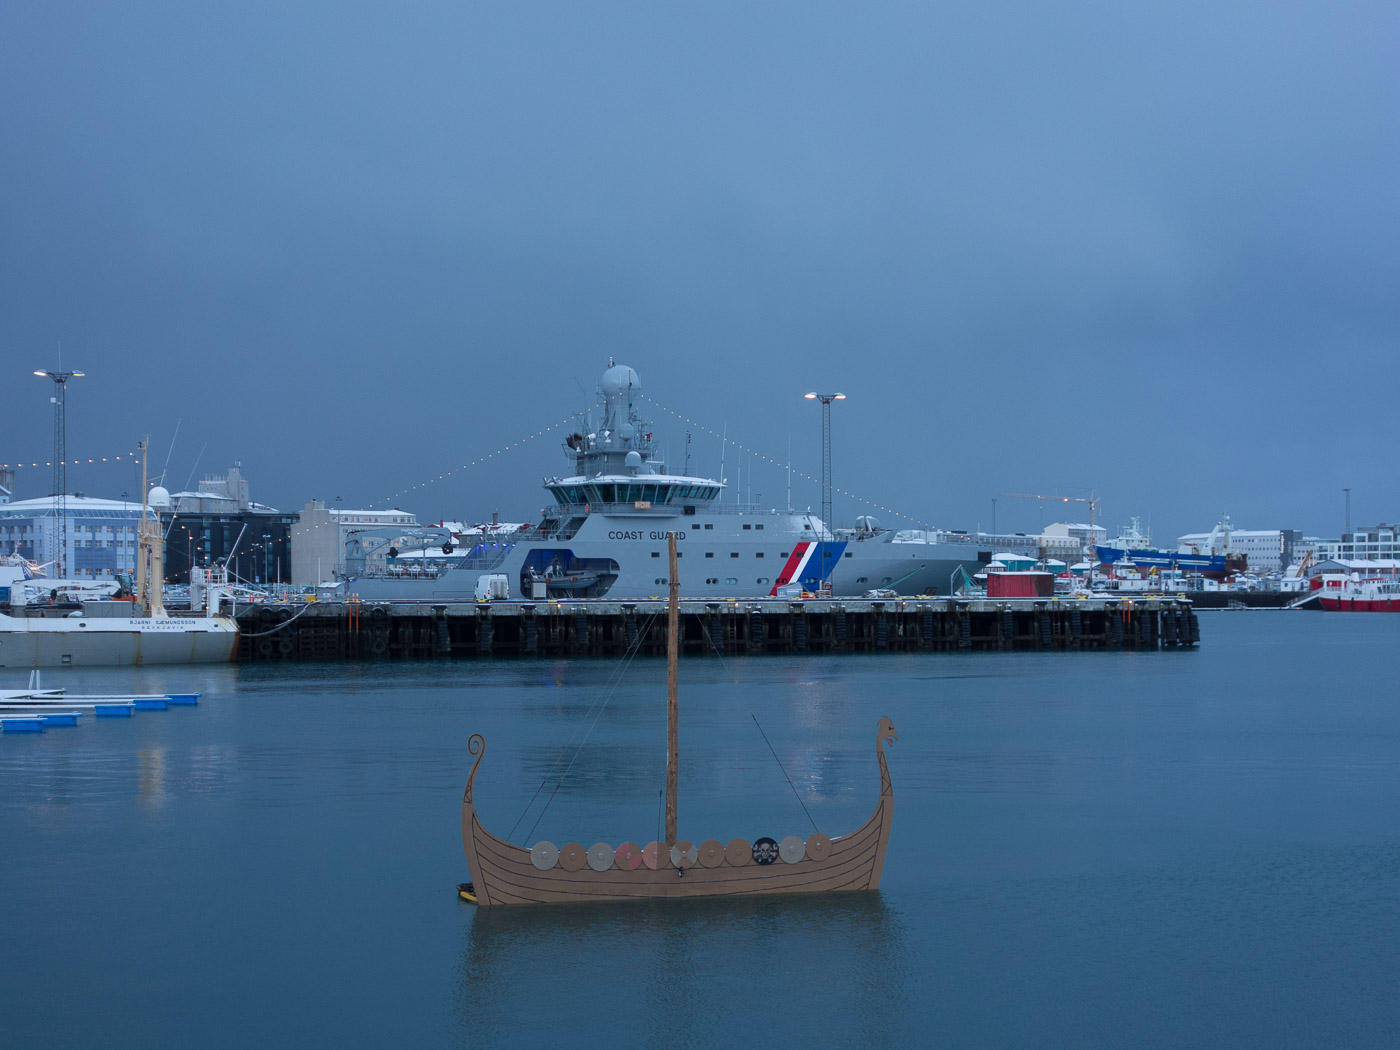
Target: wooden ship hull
x,y
503,873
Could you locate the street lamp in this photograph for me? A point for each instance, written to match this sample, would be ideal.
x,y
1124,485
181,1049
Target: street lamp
x,y
824,579
60,456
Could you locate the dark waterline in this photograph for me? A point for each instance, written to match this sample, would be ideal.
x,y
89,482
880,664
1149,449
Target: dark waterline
x,y
1109,849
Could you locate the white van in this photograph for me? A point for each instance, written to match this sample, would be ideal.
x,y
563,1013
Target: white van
x,y
492,587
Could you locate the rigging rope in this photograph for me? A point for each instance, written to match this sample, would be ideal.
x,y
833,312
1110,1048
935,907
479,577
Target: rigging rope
x,y
785,774
783,466
597,708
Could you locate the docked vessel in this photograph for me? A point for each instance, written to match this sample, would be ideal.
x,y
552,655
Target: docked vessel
x,y
503,873
1216,561
100,632
605,535
1353,595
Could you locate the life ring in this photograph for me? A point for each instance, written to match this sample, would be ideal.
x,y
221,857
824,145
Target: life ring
x,y
284,646
378,612
379,646
265,647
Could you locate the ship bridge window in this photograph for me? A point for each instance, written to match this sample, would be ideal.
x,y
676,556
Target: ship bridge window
x,y
747,525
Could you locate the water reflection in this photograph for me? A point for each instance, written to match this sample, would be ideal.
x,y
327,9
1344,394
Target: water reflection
x,y
696,973
150,777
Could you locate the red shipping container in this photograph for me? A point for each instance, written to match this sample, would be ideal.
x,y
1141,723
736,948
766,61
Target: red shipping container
x,y
1020,584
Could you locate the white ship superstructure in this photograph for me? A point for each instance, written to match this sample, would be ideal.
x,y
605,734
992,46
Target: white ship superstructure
x,y
605,535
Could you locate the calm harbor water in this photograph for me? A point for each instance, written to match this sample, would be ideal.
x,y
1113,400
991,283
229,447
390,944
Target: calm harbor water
x,y
1117,849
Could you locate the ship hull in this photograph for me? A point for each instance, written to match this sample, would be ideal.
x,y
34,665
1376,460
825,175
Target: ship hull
x,y
1391,605
731,559
35,642
1214,565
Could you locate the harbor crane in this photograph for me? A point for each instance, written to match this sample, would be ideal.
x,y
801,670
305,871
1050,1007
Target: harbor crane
x,y
1091,499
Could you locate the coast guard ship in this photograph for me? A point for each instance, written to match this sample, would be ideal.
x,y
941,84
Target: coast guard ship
x,y
605,535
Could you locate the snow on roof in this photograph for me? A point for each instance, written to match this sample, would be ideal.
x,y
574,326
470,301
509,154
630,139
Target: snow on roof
x,y
73,505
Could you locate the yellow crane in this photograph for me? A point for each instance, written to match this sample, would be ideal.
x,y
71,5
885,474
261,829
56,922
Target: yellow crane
x,y
1091,499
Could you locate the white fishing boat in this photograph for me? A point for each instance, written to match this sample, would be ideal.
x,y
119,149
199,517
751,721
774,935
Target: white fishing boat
x,y
104,632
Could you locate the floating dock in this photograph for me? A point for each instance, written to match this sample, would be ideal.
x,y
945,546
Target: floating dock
x,y
473,630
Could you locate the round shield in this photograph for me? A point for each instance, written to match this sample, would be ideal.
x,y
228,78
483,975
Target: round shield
x,y
711,853
650,854
684,854
738,853
765,851
792,849
600,856
628,856
544,855
818,846
573,857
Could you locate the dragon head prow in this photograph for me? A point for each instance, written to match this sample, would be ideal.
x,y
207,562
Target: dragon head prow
x,y
885,732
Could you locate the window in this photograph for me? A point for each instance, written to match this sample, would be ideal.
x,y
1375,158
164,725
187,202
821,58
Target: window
x,y
730,579
747,525
709,554
758,526
759,554
761,579
861,579
713,580
733,554
783,555
709,525
847,554
656,554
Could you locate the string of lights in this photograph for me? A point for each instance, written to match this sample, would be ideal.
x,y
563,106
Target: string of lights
x,y
781,465
388,500
121,457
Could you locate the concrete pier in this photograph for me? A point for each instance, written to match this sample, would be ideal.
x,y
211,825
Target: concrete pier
x,y
472,630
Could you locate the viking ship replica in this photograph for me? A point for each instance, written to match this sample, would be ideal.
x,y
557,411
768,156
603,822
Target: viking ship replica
x,y
503,873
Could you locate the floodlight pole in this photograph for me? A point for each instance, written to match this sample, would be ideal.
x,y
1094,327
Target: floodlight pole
x,y
823,569
60,460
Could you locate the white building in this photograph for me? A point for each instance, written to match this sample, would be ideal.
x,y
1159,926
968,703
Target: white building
x,y
98,535
319,538
1366,544
1266,550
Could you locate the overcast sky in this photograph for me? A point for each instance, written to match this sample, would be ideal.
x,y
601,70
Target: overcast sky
x,y
1041,247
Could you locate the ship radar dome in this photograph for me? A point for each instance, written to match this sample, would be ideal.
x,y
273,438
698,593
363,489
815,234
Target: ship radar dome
x,y
158,497
619,378
633,460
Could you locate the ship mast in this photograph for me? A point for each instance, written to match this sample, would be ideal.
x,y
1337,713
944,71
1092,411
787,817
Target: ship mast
x,y
672,659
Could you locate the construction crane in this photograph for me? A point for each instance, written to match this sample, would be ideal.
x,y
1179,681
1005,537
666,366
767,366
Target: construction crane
x,y
1092,500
